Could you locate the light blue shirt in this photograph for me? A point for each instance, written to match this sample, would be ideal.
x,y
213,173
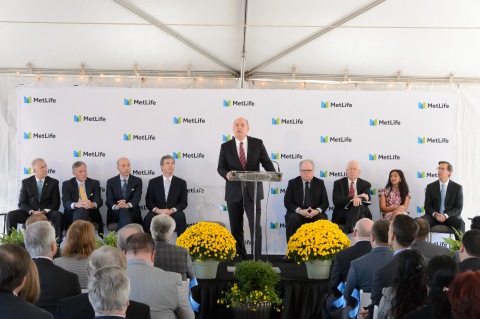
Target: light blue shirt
x,y
400,251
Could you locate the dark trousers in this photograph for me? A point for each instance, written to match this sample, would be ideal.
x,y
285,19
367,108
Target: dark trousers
x,y
125,216
352,215
294,221
89,215
179,217
452,222
19,216
82,214
235,215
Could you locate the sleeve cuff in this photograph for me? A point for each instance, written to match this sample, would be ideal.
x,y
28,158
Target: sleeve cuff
x,y
319,210
130,205
174,209
433,215
446,216
72,206
95,205
296,210
153,210
113,207
30,212
47,210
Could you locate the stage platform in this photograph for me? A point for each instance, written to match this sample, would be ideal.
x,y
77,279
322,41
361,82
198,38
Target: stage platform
x,y
303,297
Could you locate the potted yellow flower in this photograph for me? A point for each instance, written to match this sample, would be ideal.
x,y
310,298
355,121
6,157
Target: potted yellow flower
x,y
316,244
208,245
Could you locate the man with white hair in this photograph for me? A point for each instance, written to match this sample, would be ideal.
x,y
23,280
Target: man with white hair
x,y
126,231
39,194
55,282
349,195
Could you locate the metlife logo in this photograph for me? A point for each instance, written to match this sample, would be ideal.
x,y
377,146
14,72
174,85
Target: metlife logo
x,y
229,103
383,157
187,120
86,118
333,139
130,137
427,105
179,155
29,100
28,171
138,102
29,135
377,122
144,172
276,191
325,174
433,140
326,104
195,190
278,121
276,225
277,156
88,154
427,175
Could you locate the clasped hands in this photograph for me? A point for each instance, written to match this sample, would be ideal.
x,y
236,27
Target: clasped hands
x,y
35,212
159,211
305,212
84,203
357,200
122,204
440,217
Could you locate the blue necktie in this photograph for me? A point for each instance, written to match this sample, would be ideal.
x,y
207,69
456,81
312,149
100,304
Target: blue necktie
x,y
40,188
442,200
167,188
124,189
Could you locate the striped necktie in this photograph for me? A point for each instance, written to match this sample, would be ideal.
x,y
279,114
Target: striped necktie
x,y
167,188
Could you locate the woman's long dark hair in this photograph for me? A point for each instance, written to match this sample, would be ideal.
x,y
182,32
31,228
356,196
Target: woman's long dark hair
x,y
441,271
409,284
402,186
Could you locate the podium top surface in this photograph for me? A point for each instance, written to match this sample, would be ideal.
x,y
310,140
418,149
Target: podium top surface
x,y
256,176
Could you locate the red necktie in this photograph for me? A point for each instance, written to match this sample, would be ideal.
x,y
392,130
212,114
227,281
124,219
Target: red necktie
x,y
352,190
242,155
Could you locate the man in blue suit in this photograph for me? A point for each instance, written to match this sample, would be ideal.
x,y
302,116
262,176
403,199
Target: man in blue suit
x,y
167,194
123,196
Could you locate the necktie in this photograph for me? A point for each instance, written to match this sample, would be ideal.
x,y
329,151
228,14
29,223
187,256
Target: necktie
x,y
124,189
40,188
242,156
167,188
308,201
442,200
82,192
352,190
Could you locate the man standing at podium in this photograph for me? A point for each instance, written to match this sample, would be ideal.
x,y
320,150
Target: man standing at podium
x,y
243,154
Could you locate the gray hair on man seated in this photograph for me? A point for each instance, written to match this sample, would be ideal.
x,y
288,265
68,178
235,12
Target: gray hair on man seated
x,y
354,162
306,161
106,256
77,164
162,160
108,289
162,227
39,237
126,231
36,161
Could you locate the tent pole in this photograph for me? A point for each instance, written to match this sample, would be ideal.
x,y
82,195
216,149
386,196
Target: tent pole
x,y
242,67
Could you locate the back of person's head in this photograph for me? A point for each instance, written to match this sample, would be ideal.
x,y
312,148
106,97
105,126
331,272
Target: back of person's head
x,y
471,240
106,256
14,266
423,228
31,289
405,229
464,295
35,218
80,240
162,227
441,270
363,227
108,290
139,243
380,231
409,283
38,238
475,223
125,232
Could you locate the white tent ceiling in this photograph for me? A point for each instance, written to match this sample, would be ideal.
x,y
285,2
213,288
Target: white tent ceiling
x,y
363,51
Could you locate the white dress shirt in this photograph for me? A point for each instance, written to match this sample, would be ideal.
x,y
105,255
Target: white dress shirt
x,y
164,185
245,147
298,208
354,186
43,185
121,186
446,185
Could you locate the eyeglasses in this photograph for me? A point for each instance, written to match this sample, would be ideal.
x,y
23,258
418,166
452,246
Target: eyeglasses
x,y
306,171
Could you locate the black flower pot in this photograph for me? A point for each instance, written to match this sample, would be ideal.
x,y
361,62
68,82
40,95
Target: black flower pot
x,y
259,311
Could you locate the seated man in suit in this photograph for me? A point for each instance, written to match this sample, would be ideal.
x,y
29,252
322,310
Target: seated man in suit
x,y
163,291
39,194
36,218
470,251
421,244
306,199
125,232
167,194
14,266
352,191
82,197
475,224
123,196
342,260
79,307
444,200
170,257
55,282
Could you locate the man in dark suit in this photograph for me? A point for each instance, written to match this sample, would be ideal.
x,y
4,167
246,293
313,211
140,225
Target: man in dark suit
x,y
421,244
14,266
352,191
55,282
167,194
444,200
306,199
470,251
243,153
82,197
123,196
39,194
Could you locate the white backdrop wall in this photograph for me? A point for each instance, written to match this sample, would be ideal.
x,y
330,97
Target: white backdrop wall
x,y
384,126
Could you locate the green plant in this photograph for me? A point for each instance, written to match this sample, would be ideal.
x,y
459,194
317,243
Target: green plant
x,y
453,243
16,237
110,240
256,284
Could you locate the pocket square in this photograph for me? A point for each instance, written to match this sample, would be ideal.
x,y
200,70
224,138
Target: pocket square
x,y
133,189
91,194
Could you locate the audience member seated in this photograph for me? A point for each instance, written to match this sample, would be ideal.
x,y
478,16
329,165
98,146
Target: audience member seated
x,y
55,282
79,244
441,271
31,289
126,231
170,257
463,295
163,291
36,218
395,195
342,260
421,244
409,289
14,267
79,307
470,251
474,225
108,290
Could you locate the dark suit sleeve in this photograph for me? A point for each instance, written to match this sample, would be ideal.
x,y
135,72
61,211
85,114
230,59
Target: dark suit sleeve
x,y
97,194
336,277
377,287
150,197
137,194
183,199
339,200
265,160
428,205
365,189
324,203
458,206
67,195
55,199
222,167
350,285
23,199
58,313
288,200
110,195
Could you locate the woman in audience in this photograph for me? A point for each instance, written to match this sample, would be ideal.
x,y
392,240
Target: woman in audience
x,y
395,197
441,271
31,289
464,295
79,244
409,290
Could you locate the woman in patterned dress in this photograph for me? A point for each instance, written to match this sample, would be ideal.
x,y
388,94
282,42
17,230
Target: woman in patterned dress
x,y
395,197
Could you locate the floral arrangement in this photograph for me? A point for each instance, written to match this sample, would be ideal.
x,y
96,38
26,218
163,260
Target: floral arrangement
x,y
317,241
452,243
208,241
256,285
16,237
110,240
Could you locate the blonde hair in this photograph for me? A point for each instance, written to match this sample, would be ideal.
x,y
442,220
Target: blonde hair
x,y
31,289
80,240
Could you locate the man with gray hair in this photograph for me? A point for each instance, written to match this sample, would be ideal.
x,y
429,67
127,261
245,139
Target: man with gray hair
x,y
126,231
170,257
39,194
82,197
167,195
55,282
306,199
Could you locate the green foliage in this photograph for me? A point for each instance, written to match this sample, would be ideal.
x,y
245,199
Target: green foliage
x,y
110,240
16,237
453,243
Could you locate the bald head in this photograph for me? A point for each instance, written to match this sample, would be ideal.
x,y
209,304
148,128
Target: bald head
x,y
123,166
423,228
240,128
35,218
363,229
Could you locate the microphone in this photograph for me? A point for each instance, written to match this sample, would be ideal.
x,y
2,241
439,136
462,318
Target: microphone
x,y
278,166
